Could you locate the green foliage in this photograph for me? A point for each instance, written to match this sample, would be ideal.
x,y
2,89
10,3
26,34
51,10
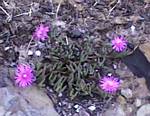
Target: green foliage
x,y
71,67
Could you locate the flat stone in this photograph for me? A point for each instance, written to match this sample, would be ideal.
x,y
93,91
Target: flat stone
x,y
121,100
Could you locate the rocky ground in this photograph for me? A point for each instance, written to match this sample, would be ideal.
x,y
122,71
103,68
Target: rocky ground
x,y
22,102
133,99
76,19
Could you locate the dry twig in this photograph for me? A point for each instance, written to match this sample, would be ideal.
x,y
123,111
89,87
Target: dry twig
x,y
110,11
58,8
8,15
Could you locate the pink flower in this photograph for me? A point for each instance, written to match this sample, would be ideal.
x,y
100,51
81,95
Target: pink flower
x,y
24,75
109,84
119,43
41,32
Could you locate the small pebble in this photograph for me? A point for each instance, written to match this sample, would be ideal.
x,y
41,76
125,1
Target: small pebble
x,y
129,109
60,95
59,23
92,108
6,48
75,33
30,53
59,103
69,105
1,41
38,53
13,64
40,44
76,106
78,110
133,29
114,66
138,102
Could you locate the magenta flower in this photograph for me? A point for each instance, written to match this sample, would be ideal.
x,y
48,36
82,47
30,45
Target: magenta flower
x,y
24,75
41,32
109,84
119,43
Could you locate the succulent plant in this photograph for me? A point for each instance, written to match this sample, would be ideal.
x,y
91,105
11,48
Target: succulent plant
x,y
72,66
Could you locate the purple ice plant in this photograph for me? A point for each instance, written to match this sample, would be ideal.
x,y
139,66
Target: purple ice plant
x,y
119,44
109,84
24,75
41,32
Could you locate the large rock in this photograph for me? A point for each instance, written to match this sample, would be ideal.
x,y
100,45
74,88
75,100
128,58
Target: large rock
x,y
144,110
145,48
39,100
29,102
